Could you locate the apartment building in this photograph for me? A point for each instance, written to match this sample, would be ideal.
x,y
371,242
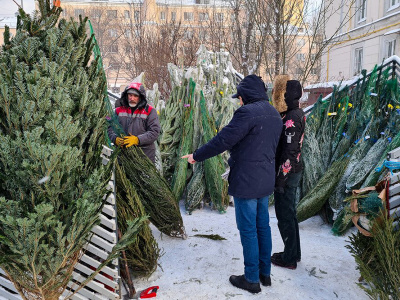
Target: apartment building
x,y
371,33
11,22
156,32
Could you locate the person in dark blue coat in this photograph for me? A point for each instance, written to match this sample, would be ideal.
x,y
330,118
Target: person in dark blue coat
x,y
252,137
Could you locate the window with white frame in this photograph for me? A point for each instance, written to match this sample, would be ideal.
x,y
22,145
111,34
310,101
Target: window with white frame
x,y
111,13
96,13
136,15
113,33
219,17
173,15
300,56
361,10
126,14
113,48
394,4
188,16
203,35
390,48
128,34
301,42
203,16
162,15
358,60
188,34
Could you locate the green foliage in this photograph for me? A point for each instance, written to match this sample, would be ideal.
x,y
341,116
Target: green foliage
x,y
378,259
52,127
143,253
362,122
157,198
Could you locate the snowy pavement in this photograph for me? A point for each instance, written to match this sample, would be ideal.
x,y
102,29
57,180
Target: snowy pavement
x,y
199,268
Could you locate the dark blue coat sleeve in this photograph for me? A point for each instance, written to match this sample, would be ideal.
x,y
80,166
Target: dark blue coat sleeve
x,y
229,136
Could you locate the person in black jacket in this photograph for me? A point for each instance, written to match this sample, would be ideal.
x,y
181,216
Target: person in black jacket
x,y
288,173
252,137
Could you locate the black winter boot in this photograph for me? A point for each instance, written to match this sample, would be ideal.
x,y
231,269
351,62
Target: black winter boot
x,y
280,253
278,261
265,280
241,283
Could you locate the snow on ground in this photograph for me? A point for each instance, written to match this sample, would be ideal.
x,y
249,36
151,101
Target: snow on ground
x,y
199,268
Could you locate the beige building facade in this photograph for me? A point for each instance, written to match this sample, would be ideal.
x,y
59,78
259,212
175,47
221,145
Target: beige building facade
x,y
11,22
371,34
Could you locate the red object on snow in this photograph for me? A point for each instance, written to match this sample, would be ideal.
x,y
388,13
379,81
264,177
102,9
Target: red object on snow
x,y
150,292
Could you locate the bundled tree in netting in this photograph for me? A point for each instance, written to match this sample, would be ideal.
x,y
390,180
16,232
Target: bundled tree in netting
x,y
142,255
154,192
216,187
181,167
52,127
185,118
361,123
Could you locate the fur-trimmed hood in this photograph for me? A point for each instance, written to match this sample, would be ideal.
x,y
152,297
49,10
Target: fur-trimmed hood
x,y
278,92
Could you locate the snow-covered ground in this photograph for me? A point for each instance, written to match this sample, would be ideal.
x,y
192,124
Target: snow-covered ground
x,y
199,268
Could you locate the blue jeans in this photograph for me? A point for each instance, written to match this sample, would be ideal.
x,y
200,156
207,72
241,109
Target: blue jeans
x,y
252,220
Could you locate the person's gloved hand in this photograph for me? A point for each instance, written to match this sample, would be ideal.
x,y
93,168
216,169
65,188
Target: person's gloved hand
x,y
130,141
119,142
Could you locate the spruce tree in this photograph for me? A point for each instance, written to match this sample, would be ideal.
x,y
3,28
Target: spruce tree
x,y
52,127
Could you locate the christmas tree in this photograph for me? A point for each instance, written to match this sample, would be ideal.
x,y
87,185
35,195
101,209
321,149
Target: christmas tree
x,y
52,127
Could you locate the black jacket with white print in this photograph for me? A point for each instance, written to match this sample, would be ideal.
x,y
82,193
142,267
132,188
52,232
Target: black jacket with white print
x,y
289,148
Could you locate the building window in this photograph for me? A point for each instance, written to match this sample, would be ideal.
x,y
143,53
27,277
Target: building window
x,y
64,12
203,35
390,48
162,15
301,42
113,48
78,12
113,33
313,71
136,15
358,60
128,34
300,57
361,10
127,14
312,56
219,17
96,13
394,4
188,16
202,1
203,16
299,71
111,13
188,34
173,15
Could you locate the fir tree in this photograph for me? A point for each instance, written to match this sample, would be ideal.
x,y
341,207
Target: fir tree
x,y
52,127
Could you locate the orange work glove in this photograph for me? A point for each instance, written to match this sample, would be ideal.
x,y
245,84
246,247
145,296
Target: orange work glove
x,y
119,142
130,141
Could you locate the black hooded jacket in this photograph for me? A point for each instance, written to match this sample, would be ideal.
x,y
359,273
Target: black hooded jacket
x,y
251,137
289,148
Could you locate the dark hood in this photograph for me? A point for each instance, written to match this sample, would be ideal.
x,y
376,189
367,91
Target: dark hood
x,y
293,94
251,89
123,101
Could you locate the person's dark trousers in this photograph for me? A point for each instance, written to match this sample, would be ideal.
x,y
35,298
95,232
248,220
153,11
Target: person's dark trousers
x,y
285,209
